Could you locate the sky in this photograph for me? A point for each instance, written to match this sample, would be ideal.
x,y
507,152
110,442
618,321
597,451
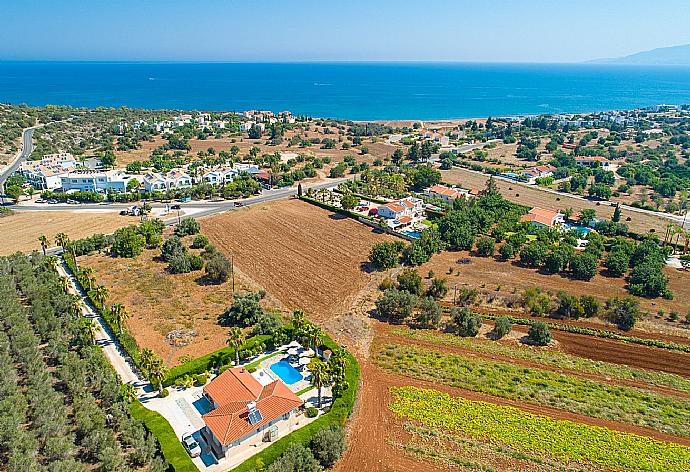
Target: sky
x,y
338,30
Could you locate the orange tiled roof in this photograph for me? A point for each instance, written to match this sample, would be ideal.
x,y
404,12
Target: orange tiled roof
x,y
540,215
233,390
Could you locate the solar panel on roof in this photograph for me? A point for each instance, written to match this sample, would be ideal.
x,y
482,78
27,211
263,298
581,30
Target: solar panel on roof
x,y
255,416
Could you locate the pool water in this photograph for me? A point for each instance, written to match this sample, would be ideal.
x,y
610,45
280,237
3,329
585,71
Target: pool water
x,y
286,372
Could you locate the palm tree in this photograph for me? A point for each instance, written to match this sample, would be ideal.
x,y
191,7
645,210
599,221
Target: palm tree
x,y
235,340
147,359
44,243
158,372
319,376
128,393
120,315
75,306
64,283
86,278
62,240
315,334
298,319
89,328
100,295
52,262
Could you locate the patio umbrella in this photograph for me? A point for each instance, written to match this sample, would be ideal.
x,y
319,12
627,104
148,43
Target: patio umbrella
x,y
293,351
308,353
294,344
304,360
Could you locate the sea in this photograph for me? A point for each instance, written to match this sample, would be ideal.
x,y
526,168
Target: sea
x,y
353,91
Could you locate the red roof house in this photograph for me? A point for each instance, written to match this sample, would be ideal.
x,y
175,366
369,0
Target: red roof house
x,y
244,409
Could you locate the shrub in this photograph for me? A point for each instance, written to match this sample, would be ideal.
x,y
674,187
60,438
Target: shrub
x,y
244,311
502,327
164,393
171,248
396,304
218,268
584,266
328,445
569,306
311,412
201,379
465,322
429,312
507,251
410,281
127,242
535,301
386,255
386,284
539,333
187,227
267,323
296,458
590,306
624,312
200,241
438,288
486,246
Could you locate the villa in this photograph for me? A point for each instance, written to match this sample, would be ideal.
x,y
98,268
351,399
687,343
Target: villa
x,y
172,180
247,409
543,218
539,172
45,174
95,181
406,207
593,161
448,194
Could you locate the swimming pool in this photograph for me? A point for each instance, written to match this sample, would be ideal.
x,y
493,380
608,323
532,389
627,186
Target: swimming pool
x,y
413,234
286,372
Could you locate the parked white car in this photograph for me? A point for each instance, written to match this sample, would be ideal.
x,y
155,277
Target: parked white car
x,y
191,445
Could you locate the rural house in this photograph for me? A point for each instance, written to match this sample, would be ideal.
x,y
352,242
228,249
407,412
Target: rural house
x,y
246,411
543,218
448,194
406,207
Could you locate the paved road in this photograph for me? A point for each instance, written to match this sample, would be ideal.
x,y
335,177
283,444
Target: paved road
x,y
204,208
27,149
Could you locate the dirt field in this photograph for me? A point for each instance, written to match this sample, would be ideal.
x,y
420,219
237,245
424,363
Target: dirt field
x,y
531,196
306,257
21,230
159,303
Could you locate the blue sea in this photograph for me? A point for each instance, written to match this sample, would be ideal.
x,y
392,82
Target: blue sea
x,y
357,91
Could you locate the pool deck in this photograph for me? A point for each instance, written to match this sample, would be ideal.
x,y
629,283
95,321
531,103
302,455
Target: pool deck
x,y
295,387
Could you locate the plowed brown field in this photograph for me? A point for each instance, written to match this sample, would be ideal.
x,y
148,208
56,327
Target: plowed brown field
x,y
304,256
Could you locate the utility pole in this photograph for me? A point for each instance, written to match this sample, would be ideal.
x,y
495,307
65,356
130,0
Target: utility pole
x,y
232,270
455,293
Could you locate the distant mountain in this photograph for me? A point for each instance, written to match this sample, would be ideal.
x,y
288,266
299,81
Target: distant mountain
x,y
671,56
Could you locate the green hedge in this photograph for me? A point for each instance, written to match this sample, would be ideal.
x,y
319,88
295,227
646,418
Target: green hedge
x,y
214,359
170,445
335,209
339,413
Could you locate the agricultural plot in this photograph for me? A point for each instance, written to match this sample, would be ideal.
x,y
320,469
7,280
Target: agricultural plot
x,y
548,389
304,256
549,357
456,420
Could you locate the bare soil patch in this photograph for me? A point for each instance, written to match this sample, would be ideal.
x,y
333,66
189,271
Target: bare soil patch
x,y
305,256
20,231
159,302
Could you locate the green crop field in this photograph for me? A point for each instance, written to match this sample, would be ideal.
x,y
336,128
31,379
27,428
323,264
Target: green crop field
x,y
530,434
550,357
549,389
